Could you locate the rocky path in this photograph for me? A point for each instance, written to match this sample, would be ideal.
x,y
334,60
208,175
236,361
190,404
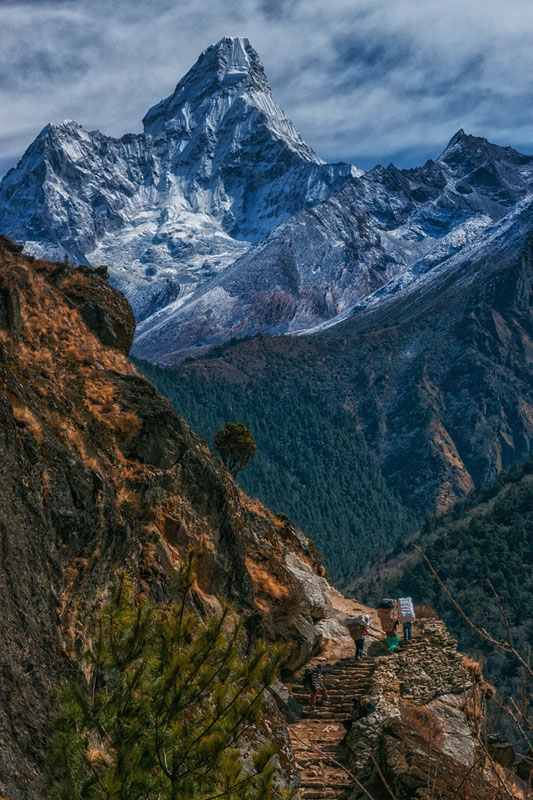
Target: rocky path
x,y
317,737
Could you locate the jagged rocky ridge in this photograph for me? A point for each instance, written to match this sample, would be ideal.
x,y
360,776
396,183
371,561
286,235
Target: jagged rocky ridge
x,y
382,233
100,472
217,167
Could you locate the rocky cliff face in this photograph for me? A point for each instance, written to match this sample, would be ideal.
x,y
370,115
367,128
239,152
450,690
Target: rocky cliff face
x,y
100,472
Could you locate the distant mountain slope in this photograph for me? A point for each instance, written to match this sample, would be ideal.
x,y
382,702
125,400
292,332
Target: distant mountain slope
x,y
486,537
217,167
437,379
313,464
378,234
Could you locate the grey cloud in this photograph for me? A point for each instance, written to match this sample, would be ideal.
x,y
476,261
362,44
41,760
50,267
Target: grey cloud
x,y
363,80
361,59
277,9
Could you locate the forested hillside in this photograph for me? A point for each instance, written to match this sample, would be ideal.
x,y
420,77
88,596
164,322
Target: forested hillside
x,y
313,464
489,536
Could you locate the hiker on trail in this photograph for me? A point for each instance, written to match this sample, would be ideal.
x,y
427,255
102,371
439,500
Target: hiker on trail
x,y
406,613
389,622
358,629
392,638
315,683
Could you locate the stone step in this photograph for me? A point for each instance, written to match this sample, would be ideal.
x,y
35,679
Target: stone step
x,y
321,785
310,756
336,688
340,713
327,715
314,758
348,684
353,675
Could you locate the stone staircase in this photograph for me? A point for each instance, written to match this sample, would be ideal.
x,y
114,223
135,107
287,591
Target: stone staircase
x,y
317,737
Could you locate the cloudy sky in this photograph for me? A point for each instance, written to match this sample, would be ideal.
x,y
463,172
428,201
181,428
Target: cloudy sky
x,y
365,81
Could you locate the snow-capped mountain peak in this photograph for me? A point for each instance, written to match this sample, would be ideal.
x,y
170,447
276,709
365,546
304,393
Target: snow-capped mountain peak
x,y
386,232
228,79
218,167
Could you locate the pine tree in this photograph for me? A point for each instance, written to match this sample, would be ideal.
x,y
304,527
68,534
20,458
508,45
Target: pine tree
x,y
166,704
235,446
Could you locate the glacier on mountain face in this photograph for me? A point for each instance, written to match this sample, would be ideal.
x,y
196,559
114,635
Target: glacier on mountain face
x,y
383,233
216,169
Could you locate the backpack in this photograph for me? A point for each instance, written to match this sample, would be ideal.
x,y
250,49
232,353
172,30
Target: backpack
x,y
307,678
387,614
406,610
356,626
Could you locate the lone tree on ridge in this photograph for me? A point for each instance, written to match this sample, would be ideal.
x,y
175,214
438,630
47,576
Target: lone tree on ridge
x,y
235,446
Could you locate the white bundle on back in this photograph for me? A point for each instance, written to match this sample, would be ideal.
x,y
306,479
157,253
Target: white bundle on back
x,y
406,610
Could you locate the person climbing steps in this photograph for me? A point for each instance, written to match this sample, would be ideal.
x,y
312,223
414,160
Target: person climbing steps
x,y
317,737
317,690
406,614
388,618
392,638
358,630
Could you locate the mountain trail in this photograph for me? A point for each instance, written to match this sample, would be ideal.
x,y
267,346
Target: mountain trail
x,y
318,737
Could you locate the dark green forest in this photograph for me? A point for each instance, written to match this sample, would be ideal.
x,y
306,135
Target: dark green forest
x,y
489,536
313,464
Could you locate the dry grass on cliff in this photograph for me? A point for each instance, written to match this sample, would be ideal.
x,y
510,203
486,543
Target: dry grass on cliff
x,y
422,721
100,400
23,415
57,356
266,585
475,674
425,612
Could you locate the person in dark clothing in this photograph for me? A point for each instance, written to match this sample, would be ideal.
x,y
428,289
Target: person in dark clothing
x,y
360,642
317,688
407,631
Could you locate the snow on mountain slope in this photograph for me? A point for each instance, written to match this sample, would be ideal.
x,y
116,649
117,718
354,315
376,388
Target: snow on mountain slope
x,y
378,234
218,167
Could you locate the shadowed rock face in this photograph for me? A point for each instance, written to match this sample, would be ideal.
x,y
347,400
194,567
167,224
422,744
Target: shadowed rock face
x,y
99,472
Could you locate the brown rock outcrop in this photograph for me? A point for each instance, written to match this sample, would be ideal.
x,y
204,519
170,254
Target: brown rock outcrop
x,y
99,472
423,737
